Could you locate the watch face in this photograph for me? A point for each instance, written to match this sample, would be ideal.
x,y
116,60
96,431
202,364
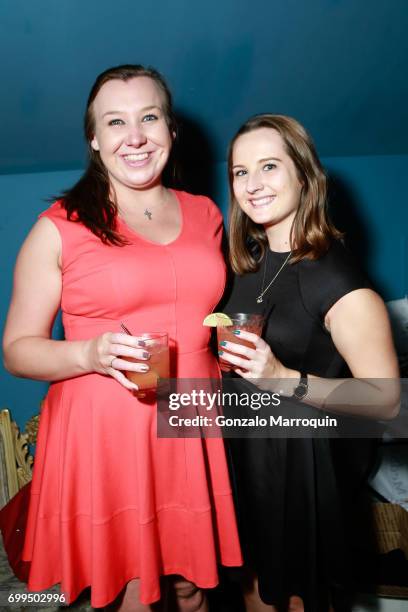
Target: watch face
x,y
301,390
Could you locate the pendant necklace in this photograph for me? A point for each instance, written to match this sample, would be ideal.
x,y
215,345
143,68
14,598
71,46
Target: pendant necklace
x,y
148,213
259,299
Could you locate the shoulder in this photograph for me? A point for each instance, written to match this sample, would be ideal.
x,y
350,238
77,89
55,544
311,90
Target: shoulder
x,y
42,242
324,281
46,230
55,210
68,227
337,260
55,213
202,205
73,236
338,264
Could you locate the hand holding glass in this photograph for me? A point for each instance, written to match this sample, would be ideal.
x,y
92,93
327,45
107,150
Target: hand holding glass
x,y
157,345
240,321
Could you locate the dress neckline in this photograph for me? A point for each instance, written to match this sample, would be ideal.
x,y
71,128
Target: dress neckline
x,y
279,253
129,230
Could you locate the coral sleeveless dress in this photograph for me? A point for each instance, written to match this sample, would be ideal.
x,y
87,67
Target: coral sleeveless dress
x,y
110,501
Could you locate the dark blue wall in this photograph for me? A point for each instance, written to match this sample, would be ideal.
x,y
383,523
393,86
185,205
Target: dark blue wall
x,y
368,201
339,66
23,198
370,193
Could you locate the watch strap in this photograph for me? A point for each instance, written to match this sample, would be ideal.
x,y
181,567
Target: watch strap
x,y
302,388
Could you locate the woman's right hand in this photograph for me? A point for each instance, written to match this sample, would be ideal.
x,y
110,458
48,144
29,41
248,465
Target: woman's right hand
x,y
108,353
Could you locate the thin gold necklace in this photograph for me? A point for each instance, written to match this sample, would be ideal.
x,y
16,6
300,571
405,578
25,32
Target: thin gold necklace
x,y
259,299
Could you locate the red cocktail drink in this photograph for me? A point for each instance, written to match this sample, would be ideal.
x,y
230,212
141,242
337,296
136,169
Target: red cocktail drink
x,y
240,321
155,343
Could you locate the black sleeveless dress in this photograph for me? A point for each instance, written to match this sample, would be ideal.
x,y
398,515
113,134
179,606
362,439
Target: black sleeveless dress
x,y
294,496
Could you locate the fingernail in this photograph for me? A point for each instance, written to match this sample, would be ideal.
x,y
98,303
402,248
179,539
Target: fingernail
x,y
145,354
144,368
141,343
220,352
236,332
223,343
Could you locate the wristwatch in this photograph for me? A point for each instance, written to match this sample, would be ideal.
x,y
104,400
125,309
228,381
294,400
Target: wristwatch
x,y
301,389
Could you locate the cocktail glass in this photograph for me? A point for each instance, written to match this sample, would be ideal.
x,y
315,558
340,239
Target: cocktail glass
x,y
240,321
157,344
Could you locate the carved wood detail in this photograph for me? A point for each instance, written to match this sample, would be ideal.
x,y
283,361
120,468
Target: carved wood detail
x,y
23,458
17,458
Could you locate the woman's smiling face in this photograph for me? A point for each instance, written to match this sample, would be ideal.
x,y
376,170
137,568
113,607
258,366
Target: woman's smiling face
x,y
265,180
131,132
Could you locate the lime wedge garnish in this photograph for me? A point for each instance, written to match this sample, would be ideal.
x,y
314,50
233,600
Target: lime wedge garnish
x,y
217,319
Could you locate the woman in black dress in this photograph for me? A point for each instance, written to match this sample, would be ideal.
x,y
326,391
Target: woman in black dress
x,y
324,323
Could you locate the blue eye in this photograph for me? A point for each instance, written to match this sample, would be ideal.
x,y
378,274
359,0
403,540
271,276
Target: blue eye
x,y
269,166
116,122
239,173
149,117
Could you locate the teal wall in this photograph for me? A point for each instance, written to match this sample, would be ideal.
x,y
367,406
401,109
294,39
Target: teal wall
x,y
23,198
369,200
336,65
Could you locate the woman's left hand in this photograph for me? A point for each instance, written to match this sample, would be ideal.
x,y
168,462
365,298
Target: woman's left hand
x,y
253,363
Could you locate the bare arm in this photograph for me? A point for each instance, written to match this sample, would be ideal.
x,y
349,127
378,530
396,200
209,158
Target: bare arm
x,y
28,350
361,332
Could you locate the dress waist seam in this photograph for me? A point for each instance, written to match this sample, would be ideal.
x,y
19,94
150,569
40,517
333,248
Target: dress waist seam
x,y
114,515
200,350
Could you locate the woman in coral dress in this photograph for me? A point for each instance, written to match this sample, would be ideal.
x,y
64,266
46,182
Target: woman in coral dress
x,y
113,506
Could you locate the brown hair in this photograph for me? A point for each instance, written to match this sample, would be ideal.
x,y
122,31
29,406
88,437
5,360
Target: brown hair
x,y
312,230
89,201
